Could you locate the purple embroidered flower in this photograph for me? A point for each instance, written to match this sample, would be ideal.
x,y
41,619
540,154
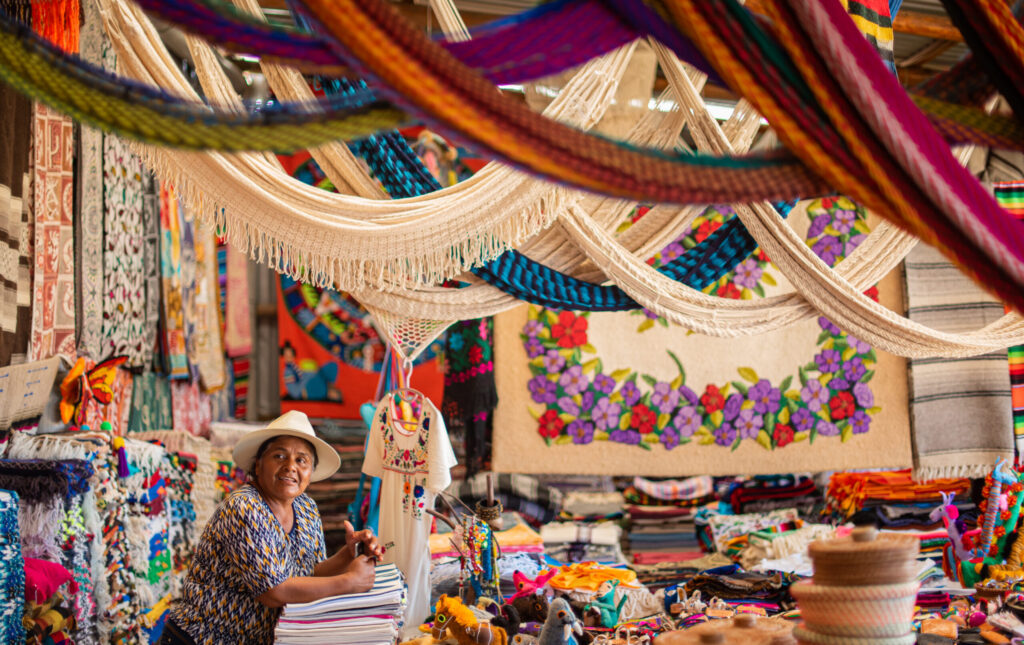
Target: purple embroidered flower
x,y
553,361
858,345
732,406
687,421
534,347
748,424
573,380
669,438
650,314
606,414
688,395
765,397
748,272
725,435
854,369
568,406
725,210
860,422
630,393
828,325
853,243
604,383
630,437
671,252
818,225
839,384
865,397
542,390
827,429
803,419
532,328
587,402
664,398
843,220
581,431
828,249
828,361
814,395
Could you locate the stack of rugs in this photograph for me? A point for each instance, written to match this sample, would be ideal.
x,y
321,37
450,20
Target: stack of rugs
x,y
893,500
661,516
771,492
371,618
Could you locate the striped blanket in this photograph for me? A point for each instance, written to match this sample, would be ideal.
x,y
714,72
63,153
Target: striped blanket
x,y
1010,196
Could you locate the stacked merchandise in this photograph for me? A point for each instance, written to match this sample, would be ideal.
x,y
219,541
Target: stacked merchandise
x,y
661,516
369,618
892,499
589,530
771,492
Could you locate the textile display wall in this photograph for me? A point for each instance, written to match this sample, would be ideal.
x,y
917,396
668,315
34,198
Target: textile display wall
x,y
621,393
15,226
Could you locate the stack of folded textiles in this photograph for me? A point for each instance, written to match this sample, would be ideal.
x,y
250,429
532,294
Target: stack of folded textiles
x,y
770,492
371,618
583,542
661,515
892,499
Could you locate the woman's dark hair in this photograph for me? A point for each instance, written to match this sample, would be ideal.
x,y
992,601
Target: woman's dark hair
x,y
266,444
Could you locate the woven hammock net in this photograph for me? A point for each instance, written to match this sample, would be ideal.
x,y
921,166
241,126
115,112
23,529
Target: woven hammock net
x,y
391,254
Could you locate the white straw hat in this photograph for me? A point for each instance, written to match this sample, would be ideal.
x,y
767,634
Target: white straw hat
x,y
290,424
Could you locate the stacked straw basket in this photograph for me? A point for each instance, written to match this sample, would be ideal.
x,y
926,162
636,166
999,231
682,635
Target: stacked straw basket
x,y
863,591
742,629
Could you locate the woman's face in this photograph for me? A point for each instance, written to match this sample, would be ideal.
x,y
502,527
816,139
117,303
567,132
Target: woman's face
x,y
284,469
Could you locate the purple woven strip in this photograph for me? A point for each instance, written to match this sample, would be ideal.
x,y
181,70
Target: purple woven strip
x,y
886,90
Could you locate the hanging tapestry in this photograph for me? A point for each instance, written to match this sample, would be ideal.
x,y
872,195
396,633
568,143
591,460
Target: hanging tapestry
x,y
625,392
53,301
189,272
240,378
1010,195
125,324
237,325
15,226
190,408
469,390
206,335
173,315
151,262
331,355
151,403
89,225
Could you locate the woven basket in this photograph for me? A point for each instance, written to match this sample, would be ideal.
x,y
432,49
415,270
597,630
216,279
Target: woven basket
x,y
805,636
874,611
864,558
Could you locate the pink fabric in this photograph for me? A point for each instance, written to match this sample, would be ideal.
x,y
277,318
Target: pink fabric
x,y
237,330
190,408
53,294
43,578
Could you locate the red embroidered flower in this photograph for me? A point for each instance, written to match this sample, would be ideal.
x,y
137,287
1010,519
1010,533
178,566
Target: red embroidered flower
x,y
476,354
872,293
729,290
762,256
841,405
549,425
640,212
783,434
705,229
570,330
712,399
642,419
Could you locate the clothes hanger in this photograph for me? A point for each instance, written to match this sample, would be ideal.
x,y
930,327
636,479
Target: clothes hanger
x,y
404,399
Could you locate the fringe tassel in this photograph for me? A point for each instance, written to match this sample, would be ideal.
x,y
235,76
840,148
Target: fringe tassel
x,y
971,471
58,21
327,271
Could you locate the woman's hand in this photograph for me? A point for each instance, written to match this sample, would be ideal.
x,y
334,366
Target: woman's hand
x,y
365,537
360,573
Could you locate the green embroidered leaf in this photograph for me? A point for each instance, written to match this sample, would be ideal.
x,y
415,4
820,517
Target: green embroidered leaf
x,y
689,243
679,366
590,366
822,337
799,436
663,420
814,433
846,434
645,446
811,367
735,444
600,366
873,410
792,402
645,325
588,348
769,423
600,435
764,440
619,375
786,382
633,377
759,290
650,380
849,353
716,418
547,441
803,376
768,279
563,440
741,388
624,421
784,415
748,373
868,375
872,356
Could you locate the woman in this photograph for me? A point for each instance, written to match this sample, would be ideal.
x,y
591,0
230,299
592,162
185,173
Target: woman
x,y
264,545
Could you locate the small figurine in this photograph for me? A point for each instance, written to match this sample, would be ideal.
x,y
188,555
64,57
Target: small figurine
x,y
528,586
532,609
458,619
561,626
605,605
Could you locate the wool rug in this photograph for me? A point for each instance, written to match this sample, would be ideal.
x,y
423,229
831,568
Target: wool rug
x,y
626,393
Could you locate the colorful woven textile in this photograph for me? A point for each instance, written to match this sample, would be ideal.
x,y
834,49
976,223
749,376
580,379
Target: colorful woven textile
x,y
53,301
173,286
1010,196
151,403
12,574
675,489
237,324
15,226
470,393
208,339
190,408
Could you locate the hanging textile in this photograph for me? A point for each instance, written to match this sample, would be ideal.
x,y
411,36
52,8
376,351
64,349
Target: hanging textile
x,y
237,327
600,391
470,393
12,574
173,314
208,342
53,302
15,226
1010,195
190,408
57,21
151,403
960,408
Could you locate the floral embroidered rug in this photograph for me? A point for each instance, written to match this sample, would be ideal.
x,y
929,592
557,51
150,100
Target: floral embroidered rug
x,y
626,392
